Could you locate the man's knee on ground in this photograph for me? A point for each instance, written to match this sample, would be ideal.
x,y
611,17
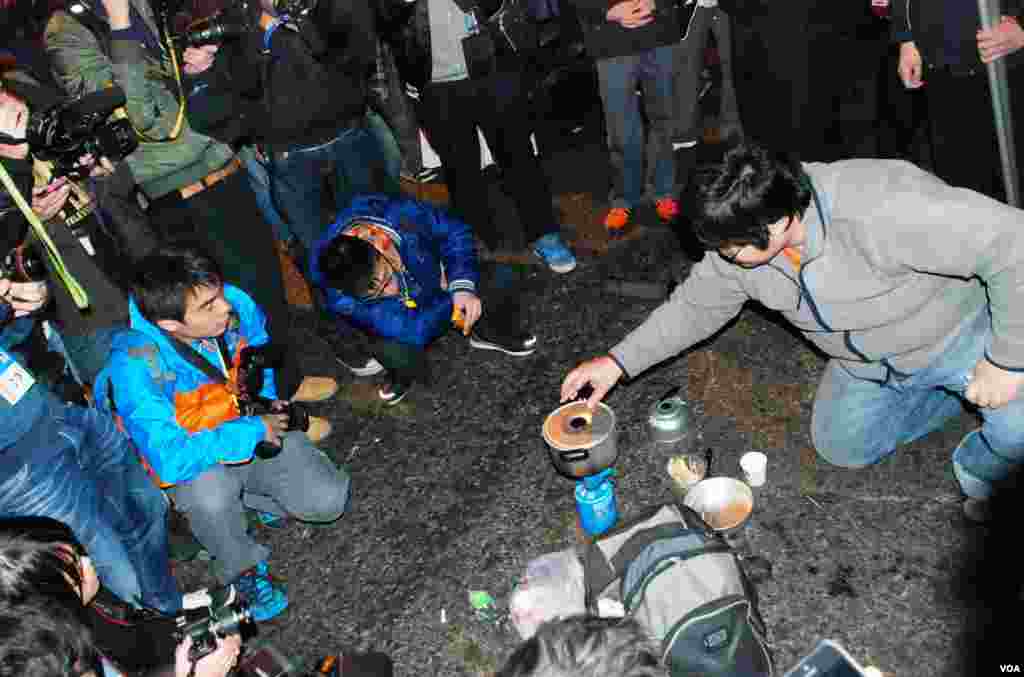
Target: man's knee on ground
x,y
840,446
329,501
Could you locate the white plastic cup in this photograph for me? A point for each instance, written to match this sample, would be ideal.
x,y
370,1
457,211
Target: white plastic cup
x,y
755,466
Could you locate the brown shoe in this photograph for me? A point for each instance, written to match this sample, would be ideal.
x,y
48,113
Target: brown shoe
x,y
315,389
296,290
319,429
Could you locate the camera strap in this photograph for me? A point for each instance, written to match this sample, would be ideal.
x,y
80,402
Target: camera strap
x,y
78,294
196,359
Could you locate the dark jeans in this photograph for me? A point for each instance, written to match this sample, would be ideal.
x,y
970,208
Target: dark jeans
x,y
619,77
361,159
226,221
450,112
75,466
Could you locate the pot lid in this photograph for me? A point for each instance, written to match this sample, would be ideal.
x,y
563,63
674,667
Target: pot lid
x,y
576,426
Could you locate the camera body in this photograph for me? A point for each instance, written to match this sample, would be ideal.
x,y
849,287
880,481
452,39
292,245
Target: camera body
x,y
62,134
237,20
228,24
206,624
252,362
21,264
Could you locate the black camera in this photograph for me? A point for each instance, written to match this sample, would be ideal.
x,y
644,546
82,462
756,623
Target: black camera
x,y
23,264
252,362
62,134
205,624
228,24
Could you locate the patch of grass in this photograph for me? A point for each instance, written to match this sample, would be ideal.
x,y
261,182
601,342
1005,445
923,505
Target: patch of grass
x,y
766,402
467,650
808,360
363,399
557,534
808,471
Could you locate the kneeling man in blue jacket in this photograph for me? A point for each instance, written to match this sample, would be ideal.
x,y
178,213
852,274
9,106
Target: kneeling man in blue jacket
x,y
402,272
173,379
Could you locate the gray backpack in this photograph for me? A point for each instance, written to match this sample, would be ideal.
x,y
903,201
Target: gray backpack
x,y
685,586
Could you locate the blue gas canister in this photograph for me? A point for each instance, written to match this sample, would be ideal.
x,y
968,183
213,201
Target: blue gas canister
x,y
595,502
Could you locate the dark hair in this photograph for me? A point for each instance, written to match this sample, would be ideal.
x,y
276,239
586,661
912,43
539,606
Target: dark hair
x,y
586,646
41,639
734,201
39,558
165,278
347,264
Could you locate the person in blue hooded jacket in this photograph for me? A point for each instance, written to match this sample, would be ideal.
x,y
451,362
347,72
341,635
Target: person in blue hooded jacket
x,y
403,272
173,379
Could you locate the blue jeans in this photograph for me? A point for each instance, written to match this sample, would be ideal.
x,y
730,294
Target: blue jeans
x,y
360,160
75,466
858,422
619,76
259,178
300,481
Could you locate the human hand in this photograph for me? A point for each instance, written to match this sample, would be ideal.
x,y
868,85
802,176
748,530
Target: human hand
x,y
119,14
631,13
49,199
198,59
1004,38
102,168
601,373
468,305
24,297
910,66
276,425
13,122
991,387
216,664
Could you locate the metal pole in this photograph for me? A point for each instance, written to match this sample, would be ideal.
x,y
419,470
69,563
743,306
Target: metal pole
x,y
990,13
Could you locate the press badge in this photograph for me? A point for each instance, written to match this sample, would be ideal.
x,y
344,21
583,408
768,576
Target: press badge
x,y
14,379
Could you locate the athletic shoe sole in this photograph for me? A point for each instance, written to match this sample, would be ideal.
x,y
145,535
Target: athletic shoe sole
x,y
487,345
371,368
392,400
560,268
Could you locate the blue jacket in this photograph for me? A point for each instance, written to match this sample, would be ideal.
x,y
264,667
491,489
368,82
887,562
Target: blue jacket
x,y
429,241
146,379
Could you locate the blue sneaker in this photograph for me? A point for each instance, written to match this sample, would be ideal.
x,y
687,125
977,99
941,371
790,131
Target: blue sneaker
x,y
265,601
270,520
554,253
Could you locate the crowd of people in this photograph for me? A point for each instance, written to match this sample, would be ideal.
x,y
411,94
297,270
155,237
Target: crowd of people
x,y
270,143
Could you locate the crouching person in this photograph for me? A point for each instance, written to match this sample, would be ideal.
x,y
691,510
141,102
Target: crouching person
x,y
173,379
403,272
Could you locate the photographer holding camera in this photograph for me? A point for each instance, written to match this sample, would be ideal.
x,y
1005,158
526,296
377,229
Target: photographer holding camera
x,y
48,584
51,161
174,380
61,460
297,78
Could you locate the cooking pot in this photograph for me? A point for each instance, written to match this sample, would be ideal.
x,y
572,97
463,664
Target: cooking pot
x,y
581,441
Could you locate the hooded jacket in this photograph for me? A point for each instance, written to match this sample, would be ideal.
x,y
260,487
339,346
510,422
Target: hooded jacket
x,y
433,247
147,382
896,261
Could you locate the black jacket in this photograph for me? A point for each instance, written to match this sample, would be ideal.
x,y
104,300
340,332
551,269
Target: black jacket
x,y
605,39
312,86
922,22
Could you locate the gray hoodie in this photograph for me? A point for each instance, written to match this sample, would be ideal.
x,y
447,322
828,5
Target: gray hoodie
x,y
895,261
